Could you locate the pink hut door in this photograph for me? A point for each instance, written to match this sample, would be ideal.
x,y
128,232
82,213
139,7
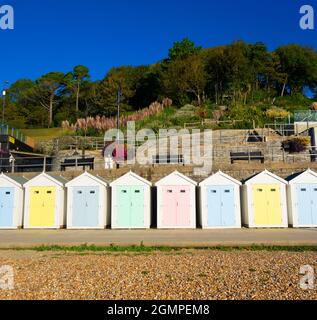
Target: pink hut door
x,y
183,207
169,206
176,206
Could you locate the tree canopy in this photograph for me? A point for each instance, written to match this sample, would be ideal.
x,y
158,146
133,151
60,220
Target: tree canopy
x,y
234,74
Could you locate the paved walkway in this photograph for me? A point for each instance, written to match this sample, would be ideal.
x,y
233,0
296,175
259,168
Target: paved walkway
x,y
177,238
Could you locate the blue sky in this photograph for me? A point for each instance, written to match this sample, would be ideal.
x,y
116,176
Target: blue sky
x,y
55,35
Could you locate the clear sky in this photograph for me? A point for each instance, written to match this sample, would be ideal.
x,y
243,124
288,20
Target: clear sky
x,y
55,35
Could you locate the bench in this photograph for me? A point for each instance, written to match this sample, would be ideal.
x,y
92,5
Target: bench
x,y
246,156
168,159
80,162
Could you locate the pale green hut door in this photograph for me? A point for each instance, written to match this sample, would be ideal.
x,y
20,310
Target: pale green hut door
x,y
137,207
130,204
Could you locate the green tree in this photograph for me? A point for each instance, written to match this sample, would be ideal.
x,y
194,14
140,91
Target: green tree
x,y
47,88
75,79
186,77
183,49
299,66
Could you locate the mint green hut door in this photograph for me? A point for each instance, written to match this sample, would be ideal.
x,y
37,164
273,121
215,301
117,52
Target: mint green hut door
x,y
130,206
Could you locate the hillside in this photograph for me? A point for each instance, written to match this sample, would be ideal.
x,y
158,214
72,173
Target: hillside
x,y
246,78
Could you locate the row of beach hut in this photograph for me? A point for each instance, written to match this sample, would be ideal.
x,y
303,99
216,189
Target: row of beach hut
x,y
86,202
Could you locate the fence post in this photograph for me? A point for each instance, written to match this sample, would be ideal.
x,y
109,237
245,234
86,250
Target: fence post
x,y
44,164
76,164
13,165
283,155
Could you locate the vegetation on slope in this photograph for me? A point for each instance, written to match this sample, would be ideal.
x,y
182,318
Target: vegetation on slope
x,y
247,78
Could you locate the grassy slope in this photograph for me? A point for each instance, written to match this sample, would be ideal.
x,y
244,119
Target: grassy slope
x,y
43,134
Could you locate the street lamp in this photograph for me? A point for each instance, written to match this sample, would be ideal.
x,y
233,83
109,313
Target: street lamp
x,y
3,104
119,95
4,93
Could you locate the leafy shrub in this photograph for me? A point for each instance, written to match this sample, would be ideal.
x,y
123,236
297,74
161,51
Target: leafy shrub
x,y
275,112
296,145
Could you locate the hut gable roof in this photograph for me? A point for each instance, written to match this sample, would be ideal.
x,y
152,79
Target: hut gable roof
x,y
175,178
261,176
306,176
16,180
58,180
87,175
220,177
130,175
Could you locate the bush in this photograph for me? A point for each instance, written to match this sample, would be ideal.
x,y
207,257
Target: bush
x,y
275,112
296,145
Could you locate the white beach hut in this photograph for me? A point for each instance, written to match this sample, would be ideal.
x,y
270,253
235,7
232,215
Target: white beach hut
x,y
176,202
302,200
11,201
87,202
264,203
44,205
130,202
219,202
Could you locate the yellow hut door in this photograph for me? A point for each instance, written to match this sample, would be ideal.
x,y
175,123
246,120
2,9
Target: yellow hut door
x,y
267,205
260,204
42,206
274,211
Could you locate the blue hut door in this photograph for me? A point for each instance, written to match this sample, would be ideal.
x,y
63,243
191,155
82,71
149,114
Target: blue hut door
x,y
214,206
85,207
307,204
79,207
304,204
314,204
228,206
92,206
6,207
221,208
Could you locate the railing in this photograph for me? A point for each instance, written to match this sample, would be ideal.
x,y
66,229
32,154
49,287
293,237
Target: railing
x,y
219,155
17,134
284,129
305,116
210,122
271,154
98,143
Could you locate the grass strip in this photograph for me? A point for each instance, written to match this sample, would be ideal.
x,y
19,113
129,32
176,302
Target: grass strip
x,y
143,248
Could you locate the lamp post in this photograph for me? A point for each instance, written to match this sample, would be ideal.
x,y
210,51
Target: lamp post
x,y
4,93
3,104
118,101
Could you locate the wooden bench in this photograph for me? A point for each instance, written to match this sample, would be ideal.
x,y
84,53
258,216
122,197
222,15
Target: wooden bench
x,y
80,162
168,159
246,156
